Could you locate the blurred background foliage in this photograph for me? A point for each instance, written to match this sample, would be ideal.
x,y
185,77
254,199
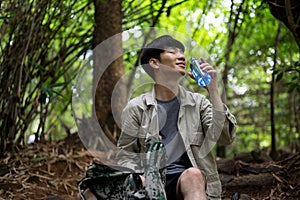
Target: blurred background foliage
x,y
45,43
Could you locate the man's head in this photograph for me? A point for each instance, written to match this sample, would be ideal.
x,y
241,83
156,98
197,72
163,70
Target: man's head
x,y
154,50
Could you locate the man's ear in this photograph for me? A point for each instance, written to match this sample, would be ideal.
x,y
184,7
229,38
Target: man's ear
x,y
154,63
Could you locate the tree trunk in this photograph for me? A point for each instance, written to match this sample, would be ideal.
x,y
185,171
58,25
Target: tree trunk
x,y
108,23
274,153
259,180
233,26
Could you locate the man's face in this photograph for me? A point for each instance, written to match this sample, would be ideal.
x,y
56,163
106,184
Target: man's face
x,y
172,60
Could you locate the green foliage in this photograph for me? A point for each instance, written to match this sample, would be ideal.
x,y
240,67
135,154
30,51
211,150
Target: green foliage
x,y
38,44
293,75
251,59
44,44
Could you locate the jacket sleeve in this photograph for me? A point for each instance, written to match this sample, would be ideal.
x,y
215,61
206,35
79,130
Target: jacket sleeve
x,y
129,147
228,125
220,126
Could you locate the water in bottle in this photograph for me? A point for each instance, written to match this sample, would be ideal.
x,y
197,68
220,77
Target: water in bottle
x,y
202,77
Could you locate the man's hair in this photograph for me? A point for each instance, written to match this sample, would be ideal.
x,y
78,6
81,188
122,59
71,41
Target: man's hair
x,y
155,48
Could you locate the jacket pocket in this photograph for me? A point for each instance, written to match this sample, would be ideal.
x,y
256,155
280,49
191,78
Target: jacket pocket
x,y
196,139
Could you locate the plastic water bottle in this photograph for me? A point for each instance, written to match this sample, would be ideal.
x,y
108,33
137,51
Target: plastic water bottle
x,y
202,77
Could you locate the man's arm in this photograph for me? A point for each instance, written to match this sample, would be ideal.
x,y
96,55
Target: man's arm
x,y
220,111
223,121
128,154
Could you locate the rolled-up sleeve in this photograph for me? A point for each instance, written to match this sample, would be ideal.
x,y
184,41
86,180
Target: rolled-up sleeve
x,y
219,126
227,122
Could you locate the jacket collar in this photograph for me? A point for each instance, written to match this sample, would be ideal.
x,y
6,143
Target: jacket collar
x,y
150,97
186,97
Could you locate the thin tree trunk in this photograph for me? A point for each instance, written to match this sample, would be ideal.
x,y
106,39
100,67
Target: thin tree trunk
x,y
273,152
233,26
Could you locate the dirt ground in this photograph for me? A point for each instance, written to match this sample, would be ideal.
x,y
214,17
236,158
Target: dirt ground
x,y
51,171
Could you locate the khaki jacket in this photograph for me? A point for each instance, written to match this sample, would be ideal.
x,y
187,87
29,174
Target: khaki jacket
x,y
199,124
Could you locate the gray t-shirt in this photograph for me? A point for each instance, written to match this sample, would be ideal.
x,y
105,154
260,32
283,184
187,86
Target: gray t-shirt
x,y
177,159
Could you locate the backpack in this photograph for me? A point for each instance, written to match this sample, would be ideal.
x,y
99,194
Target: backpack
x,y
121,183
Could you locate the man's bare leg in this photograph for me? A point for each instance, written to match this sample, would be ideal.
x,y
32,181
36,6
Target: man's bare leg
x,y
191,185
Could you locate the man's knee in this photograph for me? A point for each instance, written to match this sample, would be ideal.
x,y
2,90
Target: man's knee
x,y
192,173
191,183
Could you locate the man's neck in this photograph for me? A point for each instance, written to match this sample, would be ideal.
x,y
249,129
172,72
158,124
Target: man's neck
x,y
166,92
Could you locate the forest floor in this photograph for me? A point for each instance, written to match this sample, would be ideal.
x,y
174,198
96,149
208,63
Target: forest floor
x,y
51,171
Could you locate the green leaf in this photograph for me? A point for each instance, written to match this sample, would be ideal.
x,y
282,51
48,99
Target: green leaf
x,y
279,76
58,84
37,159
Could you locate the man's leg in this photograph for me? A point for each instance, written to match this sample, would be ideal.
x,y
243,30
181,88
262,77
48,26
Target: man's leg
x,y
191,185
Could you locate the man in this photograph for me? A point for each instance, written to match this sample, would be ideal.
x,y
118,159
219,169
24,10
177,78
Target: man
x,y
187,123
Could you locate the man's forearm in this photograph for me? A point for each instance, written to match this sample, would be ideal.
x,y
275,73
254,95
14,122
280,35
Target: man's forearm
x,y
216,100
